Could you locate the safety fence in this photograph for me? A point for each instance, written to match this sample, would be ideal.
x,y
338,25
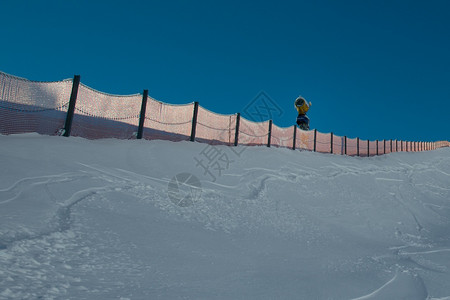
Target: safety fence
x,y
71,108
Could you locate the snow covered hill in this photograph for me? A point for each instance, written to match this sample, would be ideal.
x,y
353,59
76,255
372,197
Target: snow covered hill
x,y
114,219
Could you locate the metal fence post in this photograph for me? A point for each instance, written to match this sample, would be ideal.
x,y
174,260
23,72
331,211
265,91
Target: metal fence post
x,y
331,143
368,148
384,146
315,140
72,102
236,133
295,137
142,115
357,146
194,121
345,144
269,133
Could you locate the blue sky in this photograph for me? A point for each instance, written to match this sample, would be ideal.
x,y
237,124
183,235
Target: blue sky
x,y
372,69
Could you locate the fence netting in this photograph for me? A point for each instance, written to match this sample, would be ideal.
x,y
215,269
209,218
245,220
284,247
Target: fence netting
x,y
282,137
304,140
43,107
323,142
338,145
215,128
352,146
32,106
168,122
100,115
253,133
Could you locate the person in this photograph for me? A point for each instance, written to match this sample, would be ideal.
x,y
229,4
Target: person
x,y
302,107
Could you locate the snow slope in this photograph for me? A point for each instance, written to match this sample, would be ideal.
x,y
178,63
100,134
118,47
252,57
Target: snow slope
x,y
83,219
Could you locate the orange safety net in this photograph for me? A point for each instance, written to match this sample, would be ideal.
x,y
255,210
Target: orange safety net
x,y
100,115
32,106
168,122
304,140
363,151
252,133
323,142
372,148
352,147
282,137
215,128
338,145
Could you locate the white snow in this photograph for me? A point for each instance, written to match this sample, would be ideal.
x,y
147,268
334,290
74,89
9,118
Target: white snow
x,y
82,219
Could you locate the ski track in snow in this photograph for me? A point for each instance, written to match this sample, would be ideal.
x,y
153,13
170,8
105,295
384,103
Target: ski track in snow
x,y
28,258
43,273
401,281
62,215
15,191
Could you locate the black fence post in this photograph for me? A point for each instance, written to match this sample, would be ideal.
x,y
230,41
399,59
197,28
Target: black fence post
x,y
194,121
384,146
315,139
391,147
401,146
142,115
345,144
331,144
72,102
236,133
269,133
368,148
295,137
357,146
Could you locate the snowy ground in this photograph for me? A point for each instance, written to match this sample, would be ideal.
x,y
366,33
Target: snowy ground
x,y
106,219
